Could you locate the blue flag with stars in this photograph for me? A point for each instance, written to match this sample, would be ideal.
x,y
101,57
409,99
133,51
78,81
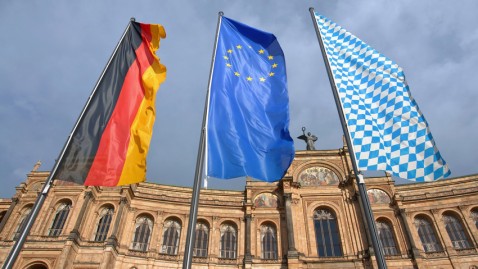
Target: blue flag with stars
x,y
387,129
248,119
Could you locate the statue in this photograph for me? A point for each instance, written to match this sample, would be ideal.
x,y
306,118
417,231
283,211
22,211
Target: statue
x,y
309,139
36,166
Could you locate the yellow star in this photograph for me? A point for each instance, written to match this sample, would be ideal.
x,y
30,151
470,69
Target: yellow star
x,y
261,51
262,79
228,65
274,65
249,78
239,46
229,51
270,57
271,74
237,74
225,57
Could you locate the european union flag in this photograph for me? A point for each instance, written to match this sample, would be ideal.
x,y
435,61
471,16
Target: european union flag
x,y
247,129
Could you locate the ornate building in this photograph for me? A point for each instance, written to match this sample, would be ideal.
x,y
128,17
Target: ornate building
x,y
310,219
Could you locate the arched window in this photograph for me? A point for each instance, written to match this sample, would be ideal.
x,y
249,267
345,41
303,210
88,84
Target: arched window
x,y
172,231
106,214
474,217
385,234
61,215
201,240
37,265
427,235
228,242
142,233
268,242
455,231
22,222
327,234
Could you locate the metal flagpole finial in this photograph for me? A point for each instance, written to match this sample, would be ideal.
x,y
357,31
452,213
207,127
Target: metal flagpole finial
x,y
221,13
133,19
311,9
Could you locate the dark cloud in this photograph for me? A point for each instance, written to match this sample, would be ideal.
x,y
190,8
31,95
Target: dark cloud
x,y
53,53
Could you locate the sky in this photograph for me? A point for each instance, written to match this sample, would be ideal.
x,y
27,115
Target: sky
x,y
52,53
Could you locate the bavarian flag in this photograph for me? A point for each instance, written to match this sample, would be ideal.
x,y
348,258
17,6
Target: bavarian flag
x,y
109,144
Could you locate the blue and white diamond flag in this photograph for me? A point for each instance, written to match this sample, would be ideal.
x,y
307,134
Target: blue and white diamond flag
x,y
387,129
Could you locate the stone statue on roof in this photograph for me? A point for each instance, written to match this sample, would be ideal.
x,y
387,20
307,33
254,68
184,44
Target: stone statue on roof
x,y
309,139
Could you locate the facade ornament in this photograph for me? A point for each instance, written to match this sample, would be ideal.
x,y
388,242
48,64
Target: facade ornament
x,y
36,166
397,212
435,211
309,139
345,182
352,197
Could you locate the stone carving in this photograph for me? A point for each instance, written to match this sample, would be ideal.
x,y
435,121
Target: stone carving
x,y
36,166
317,176
266,200
309,139
36,186
376,196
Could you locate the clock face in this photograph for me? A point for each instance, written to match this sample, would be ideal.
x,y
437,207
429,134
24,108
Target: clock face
x,y
318,176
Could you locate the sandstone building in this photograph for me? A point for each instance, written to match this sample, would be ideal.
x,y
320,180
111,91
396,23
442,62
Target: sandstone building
x,y
310,219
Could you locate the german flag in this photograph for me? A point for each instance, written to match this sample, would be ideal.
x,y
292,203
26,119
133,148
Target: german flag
x,y
109,145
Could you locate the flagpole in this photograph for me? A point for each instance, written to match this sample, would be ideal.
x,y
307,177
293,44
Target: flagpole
x,y
359,177
199,164
15,251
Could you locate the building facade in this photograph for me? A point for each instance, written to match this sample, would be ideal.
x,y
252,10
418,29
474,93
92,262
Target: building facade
x,y
312,218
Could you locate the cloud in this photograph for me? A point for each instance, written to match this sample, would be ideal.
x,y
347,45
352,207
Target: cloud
x,y
53,53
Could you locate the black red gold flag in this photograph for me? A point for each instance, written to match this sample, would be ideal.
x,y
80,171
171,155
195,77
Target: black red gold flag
x,y
111,141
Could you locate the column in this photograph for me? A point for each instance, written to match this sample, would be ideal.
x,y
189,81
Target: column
x,y
292,252
413,252
113,240
74,234
248,256
110,252
9,212
66,257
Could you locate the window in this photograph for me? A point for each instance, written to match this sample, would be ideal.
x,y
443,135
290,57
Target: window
x,y
201,240
60,218
268,242
142,233
474,217
37,265
172,231
22,222
104,222
385,235
455,231
427,235
327,234
228,242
